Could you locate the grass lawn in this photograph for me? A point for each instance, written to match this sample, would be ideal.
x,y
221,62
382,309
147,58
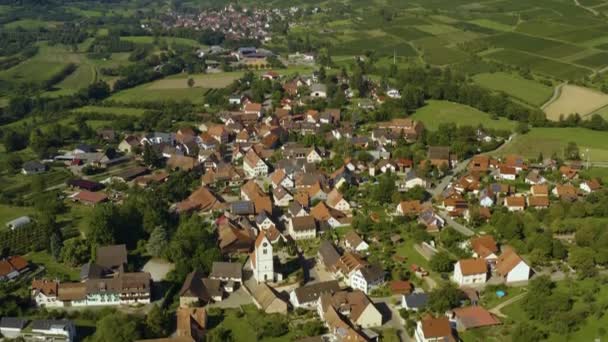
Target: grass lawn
x,y
144,93
554,140
30,24
529,91
169,40
241,330
110,110
54,269
10,212
438,112
76,217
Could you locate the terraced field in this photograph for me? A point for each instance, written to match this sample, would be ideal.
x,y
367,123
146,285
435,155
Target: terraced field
x,y
528,91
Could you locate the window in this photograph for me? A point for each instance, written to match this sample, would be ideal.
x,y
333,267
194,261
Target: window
x,y
265,251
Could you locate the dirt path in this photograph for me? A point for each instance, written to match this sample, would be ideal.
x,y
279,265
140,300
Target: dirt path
x,y
496,310
556,93
586,8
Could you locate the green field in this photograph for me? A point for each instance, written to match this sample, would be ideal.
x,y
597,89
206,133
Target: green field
x,y
528,91
110,110
438,112
169,40
144,93
539,64
554,140
9,212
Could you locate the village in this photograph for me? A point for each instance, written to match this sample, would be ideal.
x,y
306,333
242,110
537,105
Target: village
x,y
288,211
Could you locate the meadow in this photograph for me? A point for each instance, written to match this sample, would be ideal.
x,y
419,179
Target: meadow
x,y
549,141
439,112
528,91
575,99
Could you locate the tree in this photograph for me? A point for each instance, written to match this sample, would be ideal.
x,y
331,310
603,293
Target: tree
x,y
156,323
75,251
14,162
447,296
526,332
151,157
191,82
219,334
157,242
116,327
104,223
442,262
582,260
14,141
571,152
98,90
522,128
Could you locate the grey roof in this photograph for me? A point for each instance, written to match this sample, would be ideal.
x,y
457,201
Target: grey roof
x,y
12,322
91,270
295,208
85,148
230,270
328,253
372,272
242,208
259,219
416,300
46,324
33,165
111,256
311,293
318,87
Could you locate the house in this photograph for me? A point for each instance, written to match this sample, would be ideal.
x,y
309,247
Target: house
x,y
354,242
535,178
409,208
565,192
470,272
512,267
198,289
33,168
515,203
327,216
230,273
415,301
266,299
318,90
472,317
411,180
393,93
202,200
336,201
253,108
568,172
440,155
431,329
51,330
485,247
129,144
400,287
12,267
507,172
590,186
280,178
85,184
539,190
479,163
183,163
11,327
367,278
516,162
19,222
538,202
355,305
308,296
253,165
302,227
281,197
328,255
431,220
44,293
191,323
409,128
89,198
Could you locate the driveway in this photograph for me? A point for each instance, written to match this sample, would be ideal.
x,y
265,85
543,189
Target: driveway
x,y
457,226
391,317
236,299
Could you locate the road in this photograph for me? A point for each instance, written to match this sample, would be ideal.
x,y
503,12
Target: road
x,y
462,229
556,93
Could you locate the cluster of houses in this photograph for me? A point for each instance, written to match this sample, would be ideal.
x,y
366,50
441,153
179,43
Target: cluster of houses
x,y
234,23
12,267
514,184
103,282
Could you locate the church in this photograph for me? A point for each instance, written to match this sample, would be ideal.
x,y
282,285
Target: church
x,y
262,260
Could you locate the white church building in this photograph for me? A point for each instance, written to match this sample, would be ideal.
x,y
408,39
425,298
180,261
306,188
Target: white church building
x,y
262,260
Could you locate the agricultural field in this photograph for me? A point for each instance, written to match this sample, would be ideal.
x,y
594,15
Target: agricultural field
x,y
439,112
111,110
528,91
549,141
143,93
168,40
210,81
575,99
545,66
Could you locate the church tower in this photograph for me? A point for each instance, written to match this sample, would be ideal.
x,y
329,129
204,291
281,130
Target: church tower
x,y
262,261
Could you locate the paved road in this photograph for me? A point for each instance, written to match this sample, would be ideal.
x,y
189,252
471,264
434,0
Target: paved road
x,y
462,229
445,181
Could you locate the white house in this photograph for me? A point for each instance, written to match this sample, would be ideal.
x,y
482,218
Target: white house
x,y
590,186
318,90
354,242
50,330
367,278
302,227
262,260
507,173
432,329
336,201
412,180
253,165
512,267
393,94
470,272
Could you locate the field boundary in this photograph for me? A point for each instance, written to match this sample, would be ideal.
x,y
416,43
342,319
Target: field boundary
x,y
557,92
